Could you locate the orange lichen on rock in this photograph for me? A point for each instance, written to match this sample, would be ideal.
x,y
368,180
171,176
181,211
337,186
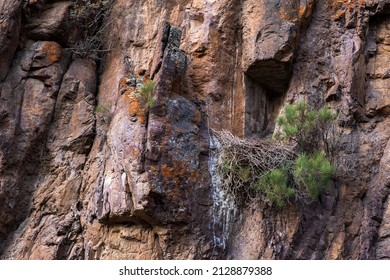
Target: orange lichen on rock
x,y
123,86
142,114
52,50
134,152
132,102
297,11
288,10
128,86
136,109
146,79
176,175
306,9
302,10
178,172
341,7
168,171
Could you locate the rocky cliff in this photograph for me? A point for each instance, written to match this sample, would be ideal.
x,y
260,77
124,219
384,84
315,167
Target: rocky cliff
x,y
89,171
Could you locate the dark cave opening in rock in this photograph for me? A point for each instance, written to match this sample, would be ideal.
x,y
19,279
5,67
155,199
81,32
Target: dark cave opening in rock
x,y
261,108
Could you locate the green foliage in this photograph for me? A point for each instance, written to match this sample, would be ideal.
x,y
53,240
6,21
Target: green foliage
x,y
226,167
314,172
325,115
274,185
248,167
310,129
240,172
307,126
244,172
292,119
100,108
146,93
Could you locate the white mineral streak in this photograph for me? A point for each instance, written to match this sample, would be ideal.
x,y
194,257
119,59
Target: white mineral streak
x,y
224,208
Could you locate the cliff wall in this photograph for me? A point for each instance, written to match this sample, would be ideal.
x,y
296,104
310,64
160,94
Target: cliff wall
x,y
89,171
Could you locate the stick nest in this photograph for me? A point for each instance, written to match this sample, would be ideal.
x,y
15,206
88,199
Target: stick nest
x,y
241,162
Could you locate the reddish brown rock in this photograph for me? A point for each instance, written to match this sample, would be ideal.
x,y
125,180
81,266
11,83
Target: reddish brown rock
x,y
49,23
29,98
87,171
10,23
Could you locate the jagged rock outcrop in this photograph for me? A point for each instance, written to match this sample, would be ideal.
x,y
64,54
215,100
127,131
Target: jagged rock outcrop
x,y
88,170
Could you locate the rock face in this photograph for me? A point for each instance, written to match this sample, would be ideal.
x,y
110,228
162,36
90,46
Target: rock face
x,y
89,169
10,22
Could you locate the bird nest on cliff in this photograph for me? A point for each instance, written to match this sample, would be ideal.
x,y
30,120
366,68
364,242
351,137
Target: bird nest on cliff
x,y
242,162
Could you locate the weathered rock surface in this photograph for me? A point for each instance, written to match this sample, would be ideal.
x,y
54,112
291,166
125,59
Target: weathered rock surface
x,y
10,23
50,22
89,170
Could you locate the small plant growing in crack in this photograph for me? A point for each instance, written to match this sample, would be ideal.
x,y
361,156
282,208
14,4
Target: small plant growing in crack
x,y
145,94
103,113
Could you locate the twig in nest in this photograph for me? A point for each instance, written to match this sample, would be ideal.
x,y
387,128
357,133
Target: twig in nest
x,y
241,162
